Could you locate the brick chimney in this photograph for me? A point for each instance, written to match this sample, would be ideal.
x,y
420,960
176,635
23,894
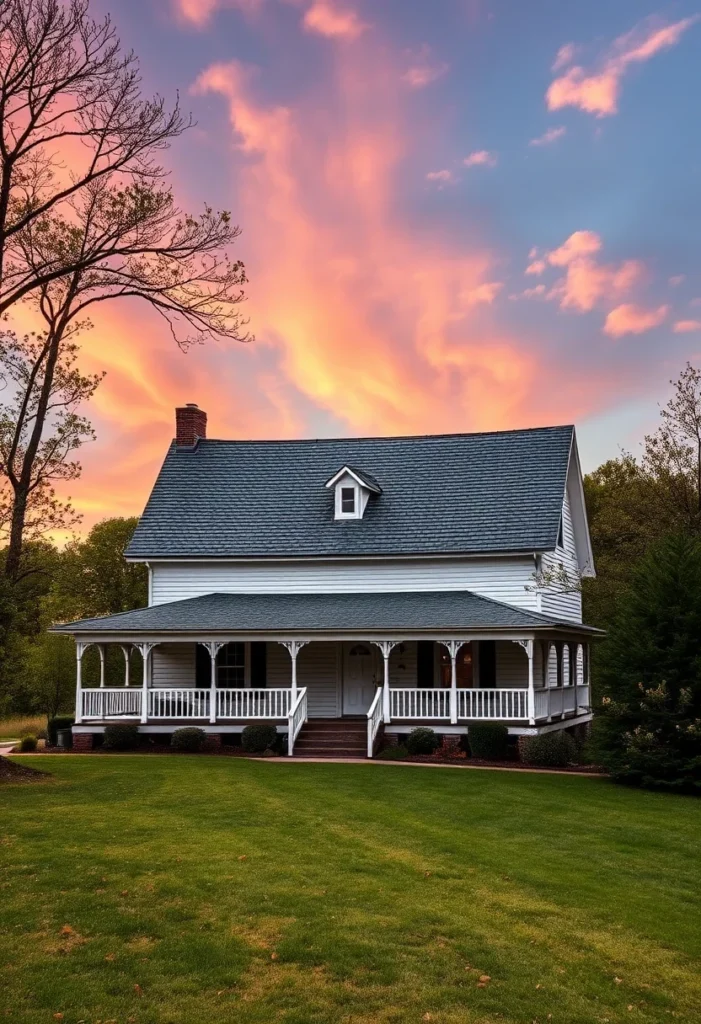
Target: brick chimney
x,y
190,425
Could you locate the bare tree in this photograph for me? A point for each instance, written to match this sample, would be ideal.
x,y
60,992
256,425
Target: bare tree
x,y
40,431
86,215
672,455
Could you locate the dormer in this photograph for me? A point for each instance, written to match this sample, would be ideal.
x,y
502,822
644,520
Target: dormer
x,y
352,491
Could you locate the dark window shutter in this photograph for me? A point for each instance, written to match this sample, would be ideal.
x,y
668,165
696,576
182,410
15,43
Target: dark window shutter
x,y
203,667
258,665
488,663
424,663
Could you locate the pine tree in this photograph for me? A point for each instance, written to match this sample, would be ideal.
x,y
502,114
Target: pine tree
x,y
648,729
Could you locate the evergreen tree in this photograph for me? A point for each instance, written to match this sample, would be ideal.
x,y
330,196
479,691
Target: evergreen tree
x,y
648,728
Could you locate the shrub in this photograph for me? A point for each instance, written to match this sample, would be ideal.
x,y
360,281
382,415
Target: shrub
x,y
399,753
121,736
56,723
258,737
422,741
551,750
488,741
28,744
189,740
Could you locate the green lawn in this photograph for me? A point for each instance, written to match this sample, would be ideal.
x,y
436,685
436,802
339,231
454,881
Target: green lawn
x,y
220,890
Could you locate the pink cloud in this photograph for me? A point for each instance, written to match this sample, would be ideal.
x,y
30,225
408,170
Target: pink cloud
x,y
443,177
423,69
632,319
537,292
481,158
597,92
483,293
548,137
334,22
677,279
587,283
199,12
687,326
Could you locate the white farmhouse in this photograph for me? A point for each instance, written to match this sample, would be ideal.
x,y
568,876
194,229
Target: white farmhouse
x,y
339,588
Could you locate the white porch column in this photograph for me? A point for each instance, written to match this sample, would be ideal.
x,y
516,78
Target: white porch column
x,y
213,649
145,651
453,647
101,651
126,651
79,651
386,646
529,648
294,647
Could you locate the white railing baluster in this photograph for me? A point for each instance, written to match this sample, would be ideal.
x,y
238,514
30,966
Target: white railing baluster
x,y
374,720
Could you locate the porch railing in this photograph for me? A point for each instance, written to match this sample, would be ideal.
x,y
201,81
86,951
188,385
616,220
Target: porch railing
x,y
296,719
418,703
253,703
493,704
374,721
111,702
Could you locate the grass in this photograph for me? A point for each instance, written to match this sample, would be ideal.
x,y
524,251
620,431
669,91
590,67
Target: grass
x,y
13,728
140,889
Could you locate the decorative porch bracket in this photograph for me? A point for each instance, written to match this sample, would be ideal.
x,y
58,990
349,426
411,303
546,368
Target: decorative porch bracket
x,y
294,647
144,650
213,647
453,646
528,646
386,647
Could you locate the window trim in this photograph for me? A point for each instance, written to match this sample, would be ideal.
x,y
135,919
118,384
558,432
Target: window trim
x,y
348,486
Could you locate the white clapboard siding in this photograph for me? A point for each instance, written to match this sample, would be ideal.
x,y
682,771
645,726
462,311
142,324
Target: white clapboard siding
x,y
172,665
502,579
558,605
317,669
402,666
512,665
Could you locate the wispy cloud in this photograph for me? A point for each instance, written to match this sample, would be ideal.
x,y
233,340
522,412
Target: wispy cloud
x,y
597,91
199,12
442,177
481,158
687,326
423,68
548,137
632,319
334,22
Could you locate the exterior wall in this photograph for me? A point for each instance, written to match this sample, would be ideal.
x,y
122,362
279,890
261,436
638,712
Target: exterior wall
x,y
402,665
317,669
512,665
171,665
502,579
562,606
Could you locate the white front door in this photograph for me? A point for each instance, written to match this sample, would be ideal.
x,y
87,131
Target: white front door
x,y
359,677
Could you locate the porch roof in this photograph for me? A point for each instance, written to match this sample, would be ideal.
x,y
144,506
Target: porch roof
x,y
312,613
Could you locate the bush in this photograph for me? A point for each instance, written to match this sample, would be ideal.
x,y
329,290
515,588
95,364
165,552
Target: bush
x,y
121,737
422,741
399,753
551,750
189,740
489,741
28,744
56,723
258,737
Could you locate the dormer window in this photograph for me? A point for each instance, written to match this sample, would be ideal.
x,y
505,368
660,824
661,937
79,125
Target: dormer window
x,y
348,501
352,491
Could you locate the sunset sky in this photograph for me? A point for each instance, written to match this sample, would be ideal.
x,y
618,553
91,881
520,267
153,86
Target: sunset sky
x,y
456,215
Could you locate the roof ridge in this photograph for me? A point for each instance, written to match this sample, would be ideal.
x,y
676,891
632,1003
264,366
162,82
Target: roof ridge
x,y
386,437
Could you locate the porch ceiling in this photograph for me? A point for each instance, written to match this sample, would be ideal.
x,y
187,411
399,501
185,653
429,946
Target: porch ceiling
x,y
438,611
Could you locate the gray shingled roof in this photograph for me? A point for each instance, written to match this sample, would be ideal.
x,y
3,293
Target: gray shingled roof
x,y
450,494
435,610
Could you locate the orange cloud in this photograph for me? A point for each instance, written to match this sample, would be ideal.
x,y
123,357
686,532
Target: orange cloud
x,y
597,92
481,158
548,137
632,319
687,326
336,23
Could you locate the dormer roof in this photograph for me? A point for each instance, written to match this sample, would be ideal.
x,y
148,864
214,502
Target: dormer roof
x,y
362,478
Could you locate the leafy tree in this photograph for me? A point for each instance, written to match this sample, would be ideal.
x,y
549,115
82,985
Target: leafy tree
x,y
648,727
93,577
49,668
